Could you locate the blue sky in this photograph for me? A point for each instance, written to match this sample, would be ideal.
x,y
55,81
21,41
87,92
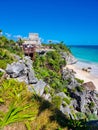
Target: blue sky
x,y
71,21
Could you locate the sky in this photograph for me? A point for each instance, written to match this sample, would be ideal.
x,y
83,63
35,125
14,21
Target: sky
x,y
72,21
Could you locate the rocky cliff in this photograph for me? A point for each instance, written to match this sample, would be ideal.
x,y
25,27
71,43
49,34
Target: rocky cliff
x,y
47,78
77,99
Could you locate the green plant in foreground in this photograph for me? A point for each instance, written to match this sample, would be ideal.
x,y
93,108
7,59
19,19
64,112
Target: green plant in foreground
x,y
17,101
16,113
23,108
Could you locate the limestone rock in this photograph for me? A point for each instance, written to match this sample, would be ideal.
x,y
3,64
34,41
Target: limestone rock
x,y
28,62
70,59
15,69
31,77
47,96
89,86
39,87
23,78
61,94
68,74
22,70
16,57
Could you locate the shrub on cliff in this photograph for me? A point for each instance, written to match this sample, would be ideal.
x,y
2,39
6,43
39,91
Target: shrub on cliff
x,y
10,45
5,58
48,67
7,49
60,47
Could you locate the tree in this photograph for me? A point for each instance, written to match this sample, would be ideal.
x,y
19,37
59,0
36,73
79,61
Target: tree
x,y
0,32
20,41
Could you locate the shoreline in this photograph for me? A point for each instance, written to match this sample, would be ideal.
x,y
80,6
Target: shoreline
x,y
83,75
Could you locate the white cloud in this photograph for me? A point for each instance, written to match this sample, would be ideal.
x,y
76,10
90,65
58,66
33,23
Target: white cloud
x,y
7,34
17,36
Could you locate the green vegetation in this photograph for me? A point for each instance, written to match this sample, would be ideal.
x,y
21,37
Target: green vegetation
x,y
15,103
67,100
60,47
24,110
16,114
10,45
1,74
5,58
7,49
91,104
79,81
48,67
18,105
92,117
57,100
79,88
80,115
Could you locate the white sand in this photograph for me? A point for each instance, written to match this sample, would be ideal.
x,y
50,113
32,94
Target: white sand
x,y
86,76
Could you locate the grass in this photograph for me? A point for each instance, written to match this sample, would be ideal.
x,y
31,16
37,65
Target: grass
x,y
5,58
16,114
23,110
15,103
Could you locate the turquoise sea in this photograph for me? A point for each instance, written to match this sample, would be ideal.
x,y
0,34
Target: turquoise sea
x,y
87,56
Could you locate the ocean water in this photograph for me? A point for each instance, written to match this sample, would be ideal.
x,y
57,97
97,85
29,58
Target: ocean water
x,y
87,57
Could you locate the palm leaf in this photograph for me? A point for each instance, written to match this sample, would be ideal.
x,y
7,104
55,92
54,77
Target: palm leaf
x,y
16,114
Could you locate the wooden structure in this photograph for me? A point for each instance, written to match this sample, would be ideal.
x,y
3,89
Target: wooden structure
x,y
31,44
29,50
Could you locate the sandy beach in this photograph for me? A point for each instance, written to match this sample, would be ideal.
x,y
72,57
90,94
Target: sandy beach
x,y
86,76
